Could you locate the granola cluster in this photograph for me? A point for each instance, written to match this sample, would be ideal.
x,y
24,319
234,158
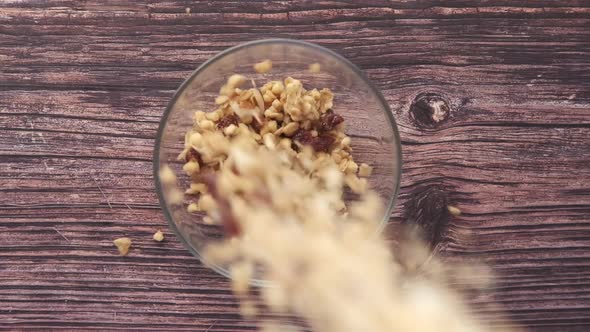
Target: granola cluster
x,y
296,124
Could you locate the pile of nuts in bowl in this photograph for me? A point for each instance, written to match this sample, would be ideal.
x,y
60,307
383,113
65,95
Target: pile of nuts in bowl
x,y
281,116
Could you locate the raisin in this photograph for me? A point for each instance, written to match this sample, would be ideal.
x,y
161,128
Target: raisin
x,y
322,143
256,125
330,120
231,227
193,155
228,120
303,136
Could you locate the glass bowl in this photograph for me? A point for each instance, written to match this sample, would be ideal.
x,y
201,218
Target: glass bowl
x,y
368,120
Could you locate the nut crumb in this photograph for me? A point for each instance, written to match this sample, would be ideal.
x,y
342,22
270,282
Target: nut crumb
x,y
123,245
193,207
167,175
315,68
454,210
365,170
263,67
158,236
236,80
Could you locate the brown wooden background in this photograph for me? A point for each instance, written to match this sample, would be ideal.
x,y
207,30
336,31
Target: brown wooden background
x,y
83,85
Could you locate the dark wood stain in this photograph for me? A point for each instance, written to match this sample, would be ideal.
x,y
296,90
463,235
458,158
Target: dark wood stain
x,y
427,210
83,85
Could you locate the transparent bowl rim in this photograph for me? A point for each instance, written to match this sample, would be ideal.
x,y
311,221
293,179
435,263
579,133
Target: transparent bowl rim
x,y
156,157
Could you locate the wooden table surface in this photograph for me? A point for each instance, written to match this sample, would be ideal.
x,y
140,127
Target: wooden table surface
x,y
83,85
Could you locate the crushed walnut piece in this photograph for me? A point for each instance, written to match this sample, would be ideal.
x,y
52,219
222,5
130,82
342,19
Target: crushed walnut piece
x,y
455,211
263,67
123,244
315,68
158,236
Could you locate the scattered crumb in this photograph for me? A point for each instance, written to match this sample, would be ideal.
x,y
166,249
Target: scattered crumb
x,y
365,170
263,67
193,207
315,68
167,175
159,236
454,210
187,10
123,245
175,196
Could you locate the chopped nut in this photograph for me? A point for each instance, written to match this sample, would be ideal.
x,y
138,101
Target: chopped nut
x,y
167,175
191,167
175,196
315,68
269,127
270,141
236,80
269,97
290,129
263,67
365,170
351,167
206,124
230,130
196,139
159,236
277,105
454,210
196,188
285,143
345,141
336,157
123,244
199,115
212,116
207,203
193,207
277,88
355,184
221,100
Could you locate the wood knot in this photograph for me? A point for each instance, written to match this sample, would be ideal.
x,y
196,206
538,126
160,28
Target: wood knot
x,y
427,210
428,110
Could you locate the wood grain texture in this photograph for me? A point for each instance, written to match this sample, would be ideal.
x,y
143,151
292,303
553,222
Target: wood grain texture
x,y
84,83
